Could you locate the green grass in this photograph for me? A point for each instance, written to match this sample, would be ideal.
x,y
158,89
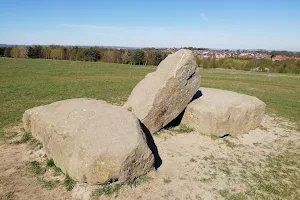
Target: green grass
x,y
226,194
36,168
48,184
50,164
108,190
139,180
111,189
69,183
278,177
26,83
181,129
57,171
38,171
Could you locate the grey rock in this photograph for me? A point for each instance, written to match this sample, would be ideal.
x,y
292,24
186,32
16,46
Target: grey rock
x,y
91,140
221,112
162,95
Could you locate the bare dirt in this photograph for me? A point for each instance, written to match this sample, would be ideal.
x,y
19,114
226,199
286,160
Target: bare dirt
x,y
194,166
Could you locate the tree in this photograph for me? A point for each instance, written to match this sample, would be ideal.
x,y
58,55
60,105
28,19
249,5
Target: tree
x,y
148,57
91,54
2,50
137,57
14,53
7,52
23,51
35,51
46,52
156,58
55,52
112,56
125,56
18,52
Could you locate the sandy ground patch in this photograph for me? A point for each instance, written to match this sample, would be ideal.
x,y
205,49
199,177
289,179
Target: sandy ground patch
x,y
194,166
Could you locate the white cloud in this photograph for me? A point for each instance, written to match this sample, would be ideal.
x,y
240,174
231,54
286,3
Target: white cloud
x,y
203,17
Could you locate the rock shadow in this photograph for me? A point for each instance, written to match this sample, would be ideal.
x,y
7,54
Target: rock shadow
x,y
175,122
152,146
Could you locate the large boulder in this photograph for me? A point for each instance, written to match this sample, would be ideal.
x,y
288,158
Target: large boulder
x,y
162,95
220,112
91,140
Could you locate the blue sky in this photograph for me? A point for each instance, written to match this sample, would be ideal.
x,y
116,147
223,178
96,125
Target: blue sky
x,y
233,24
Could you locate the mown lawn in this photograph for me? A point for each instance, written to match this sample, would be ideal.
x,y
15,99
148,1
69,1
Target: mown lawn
x,y
25,83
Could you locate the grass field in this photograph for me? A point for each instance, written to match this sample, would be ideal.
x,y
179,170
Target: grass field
x,y
25,83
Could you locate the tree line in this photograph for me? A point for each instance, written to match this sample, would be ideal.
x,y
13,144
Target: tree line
x,y
148,56
262,65
282,53
135,57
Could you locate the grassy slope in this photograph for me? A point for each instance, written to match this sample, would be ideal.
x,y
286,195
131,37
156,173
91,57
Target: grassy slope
x,y
28,83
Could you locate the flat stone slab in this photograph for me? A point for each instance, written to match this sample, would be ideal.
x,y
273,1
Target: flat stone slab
x,y
162,95
91,140
220,112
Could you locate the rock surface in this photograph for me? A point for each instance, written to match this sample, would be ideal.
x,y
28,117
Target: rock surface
x,y
162,95
91,140
221,112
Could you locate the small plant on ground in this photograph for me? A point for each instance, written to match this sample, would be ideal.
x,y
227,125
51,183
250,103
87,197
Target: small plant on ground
x,y
204,180
226,194
181,129
111,189
69,183
57,171
108,190
25,138
37,168
50,163
226,171
49,184
229,143
139,180
35,143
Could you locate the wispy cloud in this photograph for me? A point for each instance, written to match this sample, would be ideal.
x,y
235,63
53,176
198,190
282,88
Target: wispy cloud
x,y
203,17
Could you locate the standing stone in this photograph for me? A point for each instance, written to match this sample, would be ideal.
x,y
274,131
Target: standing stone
x,y
162,95
221,112
91,140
